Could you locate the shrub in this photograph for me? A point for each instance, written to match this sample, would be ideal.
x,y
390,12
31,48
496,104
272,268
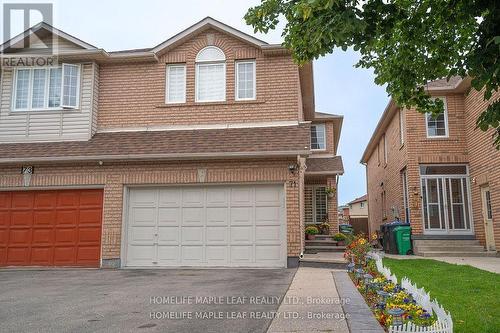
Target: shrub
x,y
312,230
357,249
339,237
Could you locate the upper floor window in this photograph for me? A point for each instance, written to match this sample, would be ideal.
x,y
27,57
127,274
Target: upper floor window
x,y
210,75
385,149
46,88
176,83
401,127
437,126
318,137
245,80
362,205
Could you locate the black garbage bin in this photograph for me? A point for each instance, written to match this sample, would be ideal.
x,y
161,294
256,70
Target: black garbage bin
x,y
388,236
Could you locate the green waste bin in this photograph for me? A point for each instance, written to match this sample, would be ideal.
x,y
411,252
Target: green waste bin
x,y
403,239
346,229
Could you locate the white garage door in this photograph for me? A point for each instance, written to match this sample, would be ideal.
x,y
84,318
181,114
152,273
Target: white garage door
x,y
235,226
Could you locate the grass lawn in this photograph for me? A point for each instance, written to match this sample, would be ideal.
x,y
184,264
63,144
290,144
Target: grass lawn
x,y
471,295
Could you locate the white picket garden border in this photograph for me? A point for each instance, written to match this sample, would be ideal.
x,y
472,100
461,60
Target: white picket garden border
x,y
444,322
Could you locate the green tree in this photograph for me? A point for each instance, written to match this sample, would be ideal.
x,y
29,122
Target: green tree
x,y
406,42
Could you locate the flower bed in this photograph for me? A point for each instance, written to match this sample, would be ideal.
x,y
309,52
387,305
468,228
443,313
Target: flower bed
x,y
398,309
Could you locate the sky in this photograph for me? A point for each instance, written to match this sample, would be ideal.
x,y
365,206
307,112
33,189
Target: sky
x,y
339,87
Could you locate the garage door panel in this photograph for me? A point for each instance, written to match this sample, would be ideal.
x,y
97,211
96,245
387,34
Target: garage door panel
x,y
267,253
45,200
242,196
168,255
241,235
192,235
217,255
41,255
142,234
22,200
192,255
22,218
208,226
42,236
67,217
193,216
169,235
217,216
268,234
20,237
217,197
267,215
90,216
89,235
169,216
242,215
48,228
217,235
144,215
193,197
267,196
18,256
242,254
170,197
44,218
3,255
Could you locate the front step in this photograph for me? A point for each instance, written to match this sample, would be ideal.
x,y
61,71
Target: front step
x,y
321,242
469,248
450,248
323,248
447,242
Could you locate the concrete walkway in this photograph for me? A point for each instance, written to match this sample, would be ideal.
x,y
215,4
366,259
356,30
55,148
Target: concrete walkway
x,y
316,303
490,264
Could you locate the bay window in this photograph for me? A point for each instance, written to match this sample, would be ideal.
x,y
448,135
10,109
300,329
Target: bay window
x,y
46,88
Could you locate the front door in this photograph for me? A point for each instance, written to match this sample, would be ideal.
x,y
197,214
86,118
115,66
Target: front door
x,y
487,217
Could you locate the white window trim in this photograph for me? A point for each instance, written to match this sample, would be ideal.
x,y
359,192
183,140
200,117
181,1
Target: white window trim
x,y
401,127
167,96
237,63
47,79
385,149
197,84
324,136
446,129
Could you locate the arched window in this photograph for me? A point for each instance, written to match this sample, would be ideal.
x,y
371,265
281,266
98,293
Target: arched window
x,y
210,75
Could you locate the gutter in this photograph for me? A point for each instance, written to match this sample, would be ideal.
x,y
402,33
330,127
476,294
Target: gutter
x,y
145,157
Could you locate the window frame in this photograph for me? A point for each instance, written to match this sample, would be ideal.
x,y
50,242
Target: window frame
x,y
401,127
236,84
198,63
323,125
446,127
167,85
46,89
386,157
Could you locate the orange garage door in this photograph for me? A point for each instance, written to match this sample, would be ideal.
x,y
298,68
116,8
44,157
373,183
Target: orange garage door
x,y
50,228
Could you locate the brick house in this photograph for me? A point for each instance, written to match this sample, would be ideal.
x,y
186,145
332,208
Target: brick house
x,y
205,150
442,175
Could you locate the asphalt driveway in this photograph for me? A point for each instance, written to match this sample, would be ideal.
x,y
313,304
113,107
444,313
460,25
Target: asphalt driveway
x,y
224,300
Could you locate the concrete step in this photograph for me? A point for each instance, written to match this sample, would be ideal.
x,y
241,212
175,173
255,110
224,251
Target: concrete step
x,y
455,254
468,248
321,242
315,249
322,237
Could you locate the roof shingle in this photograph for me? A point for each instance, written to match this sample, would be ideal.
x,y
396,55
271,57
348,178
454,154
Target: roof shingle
x,y
325,165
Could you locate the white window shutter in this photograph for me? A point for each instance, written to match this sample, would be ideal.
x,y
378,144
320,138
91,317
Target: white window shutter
x,y
70,86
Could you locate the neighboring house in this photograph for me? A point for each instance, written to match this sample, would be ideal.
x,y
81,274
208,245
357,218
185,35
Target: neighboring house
x,y
358,207
205,150
358,215
343,214
440,174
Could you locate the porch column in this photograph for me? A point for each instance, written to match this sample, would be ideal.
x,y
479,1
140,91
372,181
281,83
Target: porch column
x,y
332,204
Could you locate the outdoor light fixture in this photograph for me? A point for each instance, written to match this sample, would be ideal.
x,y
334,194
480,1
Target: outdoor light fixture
x,y
293,168
397,316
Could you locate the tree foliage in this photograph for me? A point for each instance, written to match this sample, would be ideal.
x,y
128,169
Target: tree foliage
x,y
407,43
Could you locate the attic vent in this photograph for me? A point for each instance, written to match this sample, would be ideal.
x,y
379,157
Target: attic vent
x,y
210,39
210,54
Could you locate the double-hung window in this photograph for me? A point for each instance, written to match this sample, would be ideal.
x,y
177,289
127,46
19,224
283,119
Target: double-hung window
x,y
176,83
245,80
318,137
210,75
437,126
46,88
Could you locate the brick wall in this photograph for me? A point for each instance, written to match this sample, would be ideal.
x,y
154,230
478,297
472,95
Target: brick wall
x,y
113,177
484,164
133,94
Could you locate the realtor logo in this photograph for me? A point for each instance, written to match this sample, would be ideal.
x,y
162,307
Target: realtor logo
x,y
36,43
